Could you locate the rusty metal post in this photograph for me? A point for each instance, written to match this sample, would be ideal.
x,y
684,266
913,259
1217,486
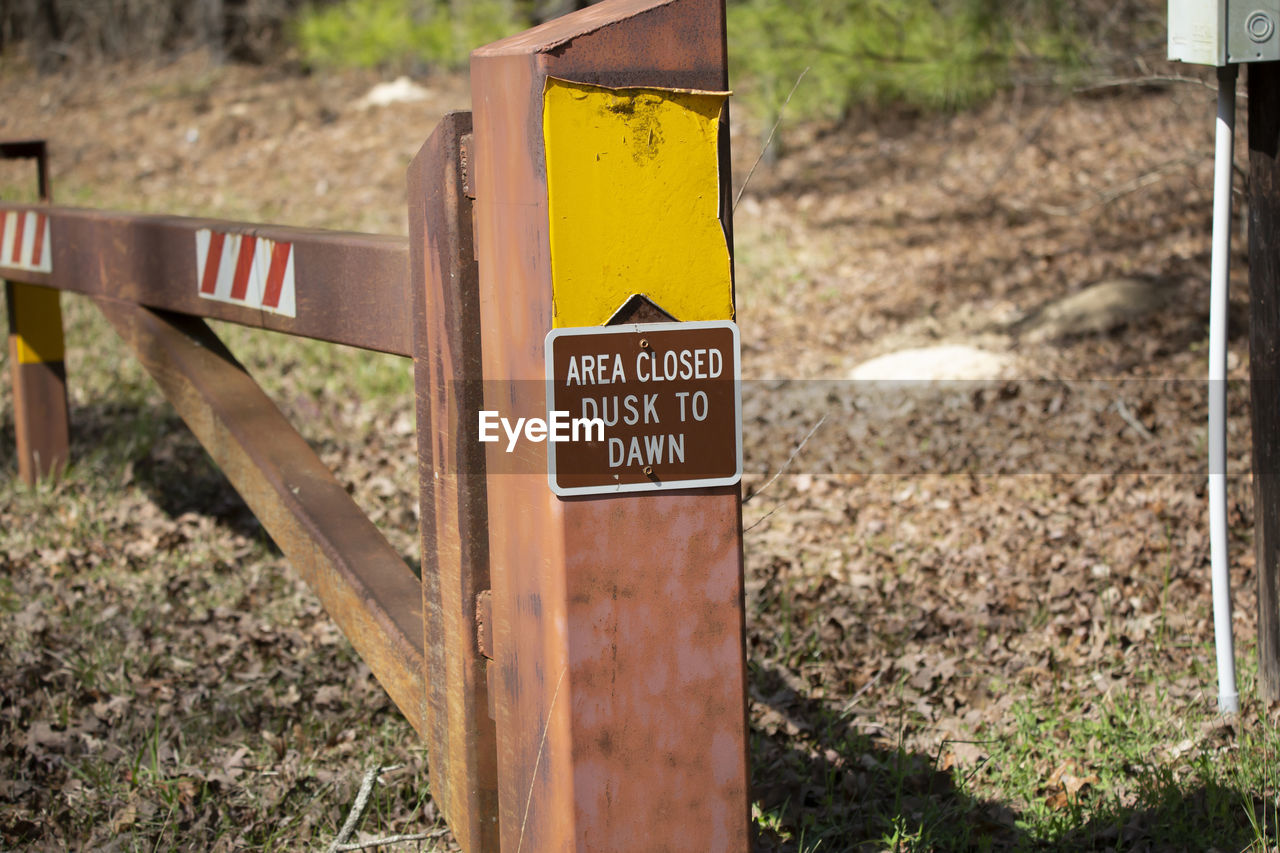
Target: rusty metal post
x,y
36,362
455,564
618,620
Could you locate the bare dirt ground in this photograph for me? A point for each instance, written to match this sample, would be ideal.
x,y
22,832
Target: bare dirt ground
x,y
938,573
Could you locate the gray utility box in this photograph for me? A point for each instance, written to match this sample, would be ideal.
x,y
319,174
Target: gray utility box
x,y
1224,32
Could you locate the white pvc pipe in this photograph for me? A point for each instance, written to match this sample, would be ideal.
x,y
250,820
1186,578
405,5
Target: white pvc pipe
x,y
1220,267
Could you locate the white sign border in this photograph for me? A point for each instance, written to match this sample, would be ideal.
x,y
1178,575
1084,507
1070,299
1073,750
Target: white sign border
x,y
634,328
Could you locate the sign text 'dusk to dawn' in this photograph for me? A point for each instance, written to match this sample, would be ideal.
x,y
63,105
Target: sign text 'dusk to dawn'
x,y
668,395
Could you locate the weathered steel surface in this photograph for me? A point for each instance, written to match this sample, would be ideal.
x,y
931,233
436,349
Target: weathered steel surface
x,y
39,414
351,288
618,622
447,363
362,582
39,376
36,365
1264,358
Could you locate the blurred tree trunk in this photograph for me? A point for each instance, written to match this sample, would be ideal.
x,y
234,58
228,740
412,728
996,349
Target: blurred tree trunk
x,y
209,26
33,20
52,21
54,31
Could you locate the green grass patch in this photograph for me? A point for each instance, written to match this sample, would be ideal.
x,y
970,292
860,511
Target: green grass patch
x,y
1068,771
400,34
1125,771
910,52
904,52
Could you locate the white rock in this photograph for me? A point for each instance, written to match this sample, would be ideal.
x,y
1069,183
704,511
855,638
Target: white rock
x,y
948,363
399,91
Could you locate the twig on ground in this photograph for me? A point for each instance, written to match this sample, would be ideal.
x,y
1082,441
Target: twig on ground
x,y
357,808
861,690
759,521
977,765
785,465
1144,180
1132,420
1024,140
769,140
1146,80
393,839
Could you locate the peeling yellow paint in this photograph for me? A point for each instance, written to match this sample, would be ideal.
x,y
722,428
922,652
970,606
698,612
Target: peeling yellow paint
x,y
38,321
633,186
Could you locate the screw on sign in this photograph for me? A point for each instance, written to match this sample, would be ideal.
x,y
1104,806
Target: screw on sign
x,y
667,395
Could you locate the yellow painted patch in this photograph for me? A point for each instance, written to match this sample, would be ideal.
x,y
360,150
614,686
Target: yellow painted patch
x,y
37,319
633,186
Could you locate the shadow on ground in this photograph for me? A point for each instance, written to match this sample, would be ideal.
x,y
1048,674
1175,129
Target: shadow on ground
x,y
151,446
821,784
148,446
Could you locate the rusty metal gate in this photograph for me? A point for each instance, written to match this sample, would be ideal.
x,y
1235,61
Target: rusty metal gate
x,y
574,663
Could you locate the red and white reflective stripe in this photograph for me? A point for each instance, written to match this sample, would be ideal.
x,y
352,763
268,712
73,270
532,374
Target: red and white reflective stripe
x,y
245,270
24,241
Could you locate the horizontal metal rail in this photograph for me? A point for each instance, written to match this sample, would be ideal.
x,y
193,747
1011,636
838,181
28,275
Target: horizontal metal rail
x,y
364,585
346,288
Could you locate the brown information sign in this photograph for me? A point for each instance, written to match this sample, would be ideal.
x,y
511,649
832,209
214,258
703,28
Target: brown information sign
x,y
643,407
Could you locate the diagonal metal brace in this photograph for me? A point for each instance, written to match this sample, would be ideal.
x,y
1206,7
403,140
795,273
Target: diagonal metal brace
x,y
361,580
